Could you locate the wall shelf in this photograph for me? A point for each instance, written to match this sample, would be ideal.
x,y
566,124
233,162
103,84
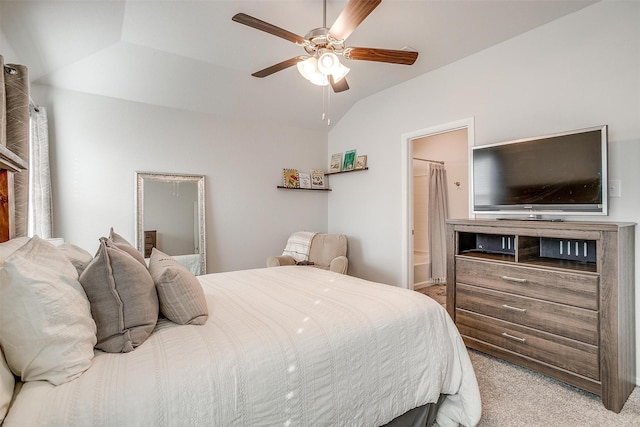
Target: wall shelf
x,y
308,189
322,189
352,170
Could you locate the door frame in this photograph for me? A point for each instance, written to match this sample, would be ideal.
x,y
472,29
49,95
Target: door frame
x,y
407,186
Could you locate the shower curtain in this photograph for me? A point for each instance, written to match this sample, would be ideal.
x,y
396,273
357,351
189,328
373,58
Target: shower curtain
x,y
438,213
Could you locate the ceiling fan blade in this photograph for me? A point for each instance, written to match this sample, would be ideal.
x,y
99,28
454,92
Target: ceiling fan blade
x,y
278,67
353,14
381,55
256,23
340,85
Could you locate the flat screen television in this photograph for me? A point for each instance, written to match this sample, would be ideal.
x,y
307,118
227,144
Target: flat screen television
x,y
557,175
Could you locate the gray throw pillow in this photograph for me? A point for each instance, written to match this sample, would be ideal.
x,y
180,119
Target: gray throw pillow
x,y
180,294
124,302
124,244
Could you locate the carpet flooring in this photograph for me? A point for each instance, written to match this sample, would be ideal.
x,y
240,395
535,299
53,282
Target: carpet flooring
x,y
518,397
437,292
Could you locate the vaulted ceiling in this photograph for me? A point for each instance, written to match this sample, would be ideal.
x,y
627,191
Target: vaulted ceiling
x,y
190,55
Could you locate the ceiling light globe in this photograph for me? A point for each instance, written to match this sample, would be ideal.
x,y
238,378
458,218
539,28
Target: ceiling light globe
x,y
328,62
319,80
308,68
340,72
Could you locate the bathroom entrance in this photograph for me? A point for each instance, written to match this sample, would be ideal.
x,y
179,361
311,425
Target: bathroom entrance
x,y
438,182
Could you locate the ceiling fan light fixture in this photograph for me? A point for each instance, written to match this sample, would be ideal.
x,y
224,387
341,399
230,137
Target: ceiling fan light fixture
x,y
319,80
308,68
328,63
340,73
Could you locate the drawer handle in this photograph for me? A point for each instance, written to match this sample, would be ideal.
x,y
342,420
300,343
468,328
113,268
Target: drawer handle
x,y
520,310
506,335
514,279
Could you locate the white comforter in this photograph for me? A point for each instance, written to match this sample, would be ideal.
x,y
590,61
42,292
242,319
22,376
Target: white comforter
x,y
286,346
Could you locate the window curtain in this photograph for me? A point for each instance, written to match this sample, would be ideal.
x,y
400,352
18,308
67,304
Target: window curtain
x,y
40,212
438,213
14,133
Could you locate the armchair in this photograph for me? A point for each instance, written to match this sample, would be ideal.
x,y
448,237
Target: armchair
x,y
326,251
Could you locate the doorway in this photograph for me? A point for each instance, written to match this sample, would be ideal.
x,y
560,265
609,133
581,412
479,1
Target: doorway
x,y
446,146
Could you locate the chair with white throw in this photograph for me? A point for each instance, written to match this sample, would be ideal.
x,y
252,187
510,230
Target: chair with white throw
x,y
326,251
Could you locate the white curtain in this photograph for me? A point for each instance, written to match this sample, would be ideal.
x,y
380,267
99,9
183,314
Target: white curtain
x,y
438,213
40,212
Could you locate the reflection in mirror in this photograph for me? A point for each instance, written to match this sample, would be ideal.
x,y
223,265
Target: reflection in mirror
x,y
170,217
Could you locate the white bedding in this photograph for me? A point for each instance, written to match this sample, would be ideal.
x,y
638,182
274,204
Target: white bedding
x,y
286,346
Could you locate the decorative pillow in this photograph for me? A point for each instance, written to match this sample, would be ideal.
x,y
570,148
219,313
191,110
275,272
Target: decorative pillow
x,y
7,382
180,294
123,244
47,331
76,255
123,298
10,246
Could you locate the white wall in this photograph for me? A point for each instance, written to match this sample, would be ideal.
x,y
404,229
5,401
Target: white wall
x,y
6,50
579,71
98,143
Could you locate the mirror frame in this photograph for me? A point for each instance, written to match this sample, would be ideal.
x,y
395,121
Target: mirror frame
x,y
171,177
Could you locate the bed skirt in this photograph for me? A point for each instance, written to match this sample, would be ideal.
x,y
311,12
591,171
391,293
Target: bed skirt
x,y
422,416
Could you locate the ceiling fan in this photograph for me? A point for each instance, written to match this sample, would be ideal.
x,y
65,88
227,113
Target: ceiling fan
x,y
321,65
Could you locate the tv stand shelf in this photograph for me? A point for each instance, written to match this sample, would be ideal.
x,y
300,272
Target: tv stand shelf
x,y
555,297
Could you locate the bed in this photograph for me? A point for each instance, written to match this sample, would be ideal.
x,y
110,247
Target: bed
x,y
286,346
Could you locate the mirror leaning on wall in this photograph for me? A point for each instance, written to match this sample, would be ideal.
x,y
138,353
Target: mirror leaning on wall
x,y
170,216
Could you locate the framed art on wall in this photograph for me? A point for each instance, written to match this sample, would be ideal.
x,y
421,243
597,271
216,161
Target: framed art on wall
x,y
290,178
336,162
317,178
361,162
349,160
304,179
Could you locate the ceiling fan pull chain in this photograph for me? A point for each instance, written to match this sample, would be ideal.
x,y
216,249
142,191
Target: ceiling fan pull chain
x,y
328,106
324,105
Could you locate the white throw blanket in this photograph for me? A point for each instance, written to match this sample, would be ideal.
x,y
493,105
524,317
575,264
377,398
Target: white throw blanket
x,y
298,245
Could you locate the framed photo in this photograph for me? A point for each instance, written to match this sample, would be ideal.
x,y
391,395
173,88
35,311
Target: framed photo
x,y
336,162
349,160
304,179
290,178
317,178
361,162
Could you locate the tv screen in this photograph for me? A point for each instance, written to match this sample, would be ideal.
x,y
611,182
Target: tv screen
x,y
560,174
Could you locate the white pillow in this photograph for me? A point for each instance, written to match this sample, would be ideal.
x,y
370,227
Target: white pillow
x,y
46,328
78,256
7,382
10,246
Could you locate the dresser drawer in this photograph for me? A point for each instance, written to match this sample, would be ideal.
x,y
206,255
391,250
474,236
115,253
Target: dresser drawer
x,y
571,355
577,289
571,322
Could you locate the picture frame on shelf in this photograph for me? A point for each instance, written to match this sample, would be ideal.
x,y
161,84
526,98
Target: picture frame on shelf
x,y
361,162
336,162
349,160
317,178
304,179
290,178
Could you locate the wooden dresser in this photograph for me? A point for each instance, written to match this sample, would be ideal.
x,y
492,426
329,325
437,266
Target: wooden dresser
x,y
150,241
555,297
